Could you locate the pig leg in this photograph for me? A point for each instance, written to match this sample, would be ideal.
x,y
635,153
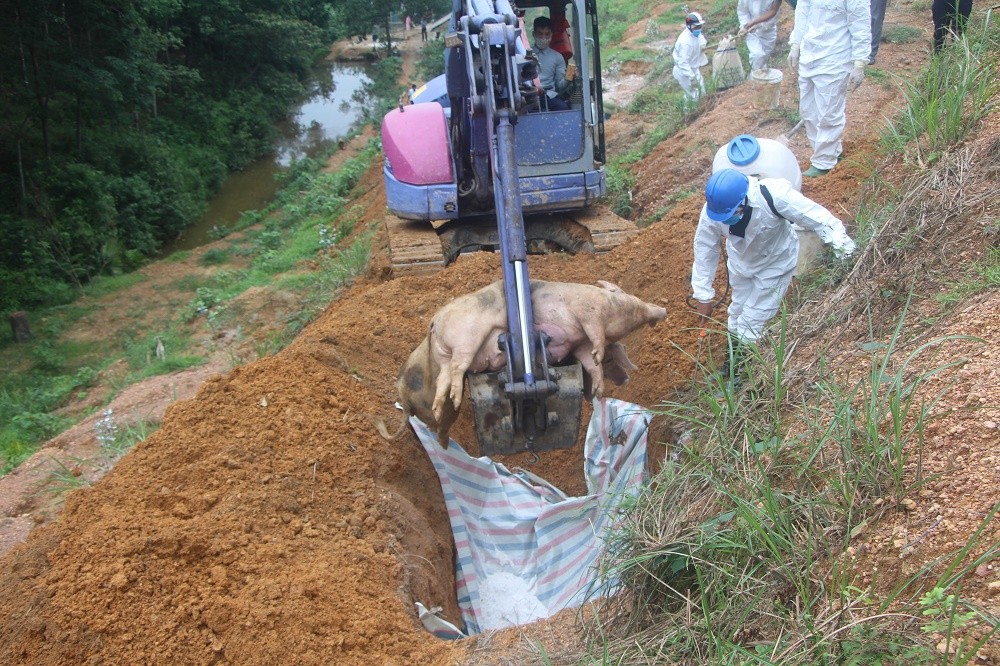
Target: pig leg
x,y
585,354
450,384
594,330
472,358
448,417
458,382
617,365
441,390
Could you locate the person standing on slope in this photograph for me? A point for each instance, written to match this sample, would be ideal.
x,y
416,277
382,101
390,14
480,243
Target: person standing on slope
x,y
689,58
759,24
755,217
950,17
830,45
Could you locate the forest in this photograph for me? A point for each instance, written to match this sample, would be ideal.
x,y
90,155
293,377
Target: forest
x,y
122,117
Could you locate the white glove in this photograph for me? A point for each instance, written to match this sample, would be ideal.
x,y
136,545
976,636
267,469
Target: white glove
x,y
857,75
793,56
844,249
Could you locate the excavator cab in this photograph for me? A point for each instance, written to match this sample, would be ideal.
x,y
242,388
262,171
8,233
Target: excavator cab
x,y
477,171
560,154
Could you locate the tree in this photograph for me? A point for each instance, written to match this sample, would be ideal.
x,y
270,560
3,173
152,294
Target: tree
x,y
121,115
359,17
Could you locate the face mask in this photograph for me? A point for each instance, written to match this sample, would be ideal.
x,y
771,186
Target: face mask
x,y
736,217
696,32
542,42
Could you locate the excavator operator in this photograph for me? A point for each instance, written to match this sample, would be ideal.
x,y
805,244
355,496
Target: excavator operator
x,y
551,67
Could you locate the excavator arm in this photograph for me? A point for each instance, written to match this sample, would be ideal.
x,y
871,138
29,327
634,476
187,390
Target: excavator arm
x,y
530,405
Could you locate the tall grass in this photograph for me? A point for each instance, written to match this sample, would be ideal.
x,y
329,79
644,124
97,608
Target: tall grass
x,y
737,552
957,89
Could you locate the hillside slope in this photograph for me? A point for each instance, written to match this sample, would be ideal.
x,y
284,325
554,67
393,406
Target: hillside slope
x,y
266,522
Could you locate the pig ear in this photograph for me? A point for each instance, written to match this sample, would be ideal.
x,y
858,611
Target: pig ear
x,y
610,286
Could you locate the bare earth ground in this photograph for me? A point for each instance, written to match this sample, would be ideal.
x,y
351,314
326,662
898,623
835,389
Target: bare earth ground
x,y
266,522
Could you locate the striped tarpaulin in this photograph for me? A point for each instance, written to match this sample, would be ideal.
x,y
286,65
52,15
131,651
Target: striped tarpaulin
x,y
524,549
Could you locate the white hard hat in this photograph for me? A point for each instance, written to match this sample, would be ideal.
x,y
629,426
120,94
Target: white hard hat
x,y
694,20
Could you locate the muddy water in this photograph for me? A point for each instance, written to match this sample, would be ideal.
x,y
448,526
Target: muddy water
x,y
332,108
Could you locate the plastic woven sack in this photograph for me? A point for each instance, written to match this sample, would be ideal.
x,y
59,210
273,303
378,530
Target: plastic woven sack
x,y
524,549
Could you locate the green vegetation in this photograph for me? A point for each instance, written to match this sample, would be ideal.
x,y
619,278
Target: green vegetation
x,y
214,257
309,222
59,370
742,549
757,498
957,89
621,182
880,76
673,17
430,62
616,16
122,123
900,34
982,276
660,99
115,441
359,17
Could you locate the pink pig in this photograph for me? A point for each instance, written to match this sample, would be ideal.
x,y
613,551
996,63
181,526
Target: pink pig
x,y
580,319
583,320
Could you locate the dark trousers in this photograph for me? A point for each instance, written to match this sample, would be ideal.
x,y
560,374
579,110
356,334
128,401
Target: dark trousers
x,y
949,16
553,104
878,18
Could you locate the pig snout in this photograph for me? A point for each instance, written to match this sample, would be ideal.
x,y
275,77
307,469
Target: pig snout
x,y
655,314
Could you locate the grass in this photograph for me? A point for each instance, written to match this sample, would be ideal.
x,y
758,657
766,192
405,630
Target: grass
x,y
901,34
430,62
880,76
717,562
109,284
621,182
951,96
740,549
617,16
214,257
615,56
308,224
981,276
115,441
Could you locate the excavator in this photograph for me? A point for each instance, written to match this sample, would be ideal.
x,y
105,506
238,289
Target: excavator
x,y
493,169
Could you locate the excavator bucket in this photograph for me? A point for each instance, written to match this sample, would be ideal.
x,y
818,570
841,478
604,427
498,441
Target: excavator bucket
x,y
506,425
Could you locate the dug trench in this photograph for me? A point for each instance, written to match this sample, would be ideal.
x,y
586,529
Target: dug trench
x,y
267,522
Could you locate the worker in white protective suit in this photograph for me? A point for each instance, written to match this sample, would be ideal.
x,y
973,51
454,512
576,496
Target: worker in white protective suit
x,y
759,25
755,217
829,46
689,57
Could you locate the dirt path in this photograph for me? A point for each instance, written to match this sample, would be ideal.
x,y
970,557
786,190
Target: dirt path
x,y
266,522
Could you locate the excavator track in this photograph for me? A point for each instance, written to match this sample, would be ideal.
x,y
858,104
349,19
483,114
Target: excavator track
x,y
423,247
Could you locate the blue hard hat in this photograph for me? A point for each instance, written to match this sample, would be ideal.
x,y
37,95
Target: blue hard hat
x,y
724,193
